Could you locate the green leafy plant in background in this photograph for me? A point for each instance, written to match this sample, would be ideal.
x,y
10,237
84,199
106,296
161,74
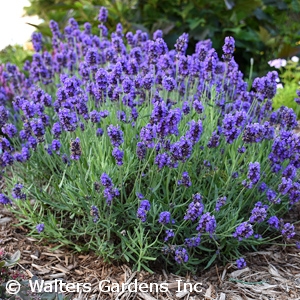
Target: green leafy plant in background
x,y
261,28
16,55
289,72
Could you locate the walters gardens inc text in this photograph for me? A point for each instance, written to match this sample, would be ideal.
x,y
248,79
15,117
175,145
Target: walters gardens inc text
x,y
105,286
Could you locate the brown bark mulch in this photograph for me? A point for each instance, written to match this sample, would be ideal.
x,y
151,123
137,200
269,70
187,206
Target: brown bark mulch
x,y
273,273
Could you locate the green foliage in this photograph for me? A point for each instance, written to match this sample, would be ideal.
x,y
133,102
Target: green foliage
x,y
15,55
290,79
262,28
63,195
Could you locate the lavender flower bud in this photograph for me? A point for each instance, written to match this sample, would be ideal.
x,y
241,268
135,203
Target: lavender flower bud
x,y
181,256
75,149
40,227
241,263
103,14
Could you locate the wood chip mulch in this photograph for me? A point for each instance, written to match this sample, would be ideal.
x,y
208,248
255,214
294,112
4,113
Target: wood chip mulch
x,y
270,274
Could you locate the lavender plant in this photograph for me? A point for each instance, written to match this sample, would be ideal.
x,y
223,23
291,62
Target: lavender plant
x,y
141,153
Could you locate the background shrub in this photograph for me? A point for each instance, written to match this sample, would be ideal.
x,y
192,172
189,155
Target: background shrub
x,y
263,29
289,72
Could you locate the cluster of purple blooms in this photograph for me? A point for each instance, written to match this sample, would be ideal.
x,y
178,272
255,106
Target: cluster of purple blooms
x,y
107,87
287,229
17,192
193,242
181,255
109,192
195,208
185,180
259,213
220,202
253,175
143,209
4,199
165,218
169,234
243,231
207,223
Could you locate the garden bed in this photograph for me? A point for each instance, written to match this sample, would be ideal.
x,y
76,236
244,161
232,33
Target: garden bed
x,y
272,273
172,163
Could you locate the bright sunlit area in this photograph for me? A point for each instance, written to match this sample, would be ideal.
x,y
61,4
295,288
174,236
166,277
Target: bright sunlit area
x,y
13,27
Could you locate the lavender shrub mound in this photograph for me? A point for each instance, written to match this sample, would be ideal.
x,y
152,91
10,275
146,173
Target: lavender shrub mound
x,y
140,153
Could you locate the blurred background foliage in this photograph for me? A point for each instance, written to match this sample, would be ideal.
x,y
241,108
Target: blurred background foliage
x,y
15,54
290,81
263,29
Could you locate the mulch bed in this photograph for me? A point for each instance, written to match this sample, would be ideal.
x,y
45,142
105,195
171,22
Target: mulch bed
x,y
271,274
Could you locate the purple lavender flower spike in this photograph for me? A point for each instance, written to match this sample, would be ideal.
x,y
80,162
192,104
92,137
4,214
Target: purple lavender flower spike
x,y
214,140
141,150
106,180
274,222
198,106
169,83
37,41
116,135
254,172
241,263
164,218
94,213
220,202
56,145
259,213
228,48
285,185
162,160
288,231
272,196
243,231
182,43
118,155
195,208
103,14
207,224
193,242
181,256
17,192
148,134
95,116
169,234
40,227
143,209
10,130
185,180
195,131
75,149
4,200
99,132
